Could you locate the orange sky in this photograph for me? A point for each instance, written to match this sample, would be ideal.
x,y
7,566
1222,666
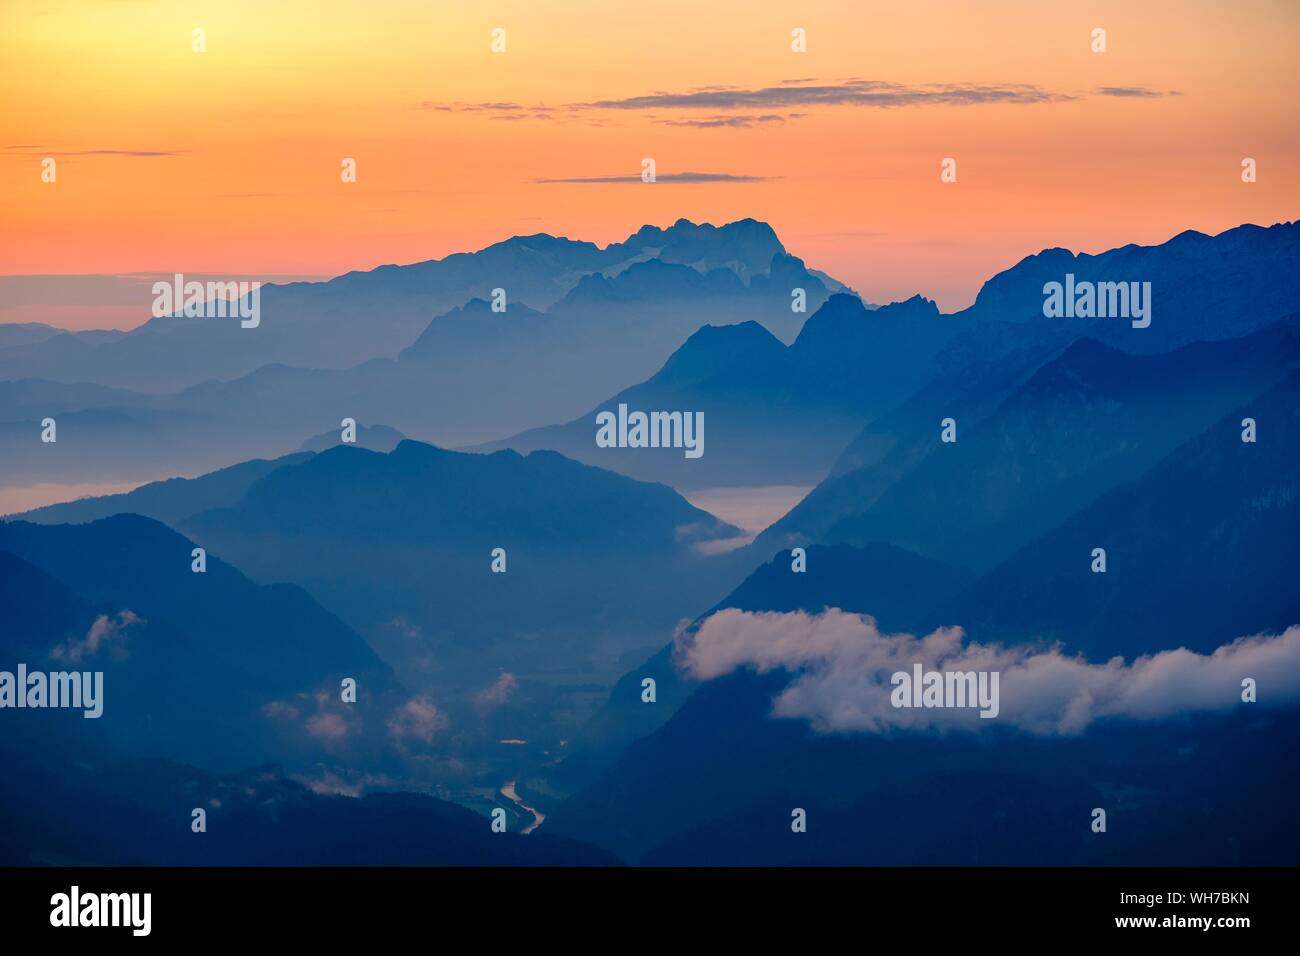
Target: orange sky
x,y
253,130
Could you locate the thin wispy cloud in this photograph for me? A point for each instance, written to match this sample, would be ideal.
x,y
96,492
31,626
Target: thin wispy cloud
x,y
739,121
870,93
785,94
504,110
1134,92
497,107
98,152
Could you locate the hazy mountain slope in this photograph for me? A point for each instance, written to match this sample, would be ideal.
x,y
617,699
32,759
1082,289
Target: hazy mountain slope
x,y
90,797
717,784
401,546
36,398
363,315
899,588
1034,443
1088,420
117,443
137,813
773,414
619,312
206,667
1201,550
25,333
166,501
893,444
1204,544
1203,287
374,437
624,322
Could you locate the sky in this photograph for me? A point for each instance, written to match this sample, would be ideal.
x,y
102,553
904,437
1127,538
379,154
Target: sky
x,y
228,161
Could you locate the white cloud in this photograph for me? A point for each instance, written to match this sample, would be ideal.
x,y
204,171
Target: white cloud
x,y
327,726
353,784
842,665
280,708
500,691
418,718
107,632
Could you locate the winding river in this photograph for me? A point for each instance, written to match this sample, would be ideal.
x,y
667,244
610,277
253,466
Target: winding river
x,y
510,793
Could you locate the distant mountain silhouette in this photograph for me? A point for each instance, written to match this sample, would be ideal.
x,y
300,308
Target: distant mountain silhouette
x,y
167,501
339,561
35,398
623,310
1032,446
1203,287
374,314
401,546
773,414
205,667
1198,548
1203,545
373,437
176,498
717,784
25,333
893,444
624,321
597,564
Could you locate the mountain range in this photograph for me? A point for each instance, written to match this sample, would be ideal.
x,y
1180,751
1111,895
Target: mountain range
x,y
774,414
1199,549
504,603
1039,433
402,345
207,667
375,314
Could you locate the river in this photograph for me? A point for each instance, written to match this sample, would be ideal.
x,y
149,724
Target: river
x,y
510,793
